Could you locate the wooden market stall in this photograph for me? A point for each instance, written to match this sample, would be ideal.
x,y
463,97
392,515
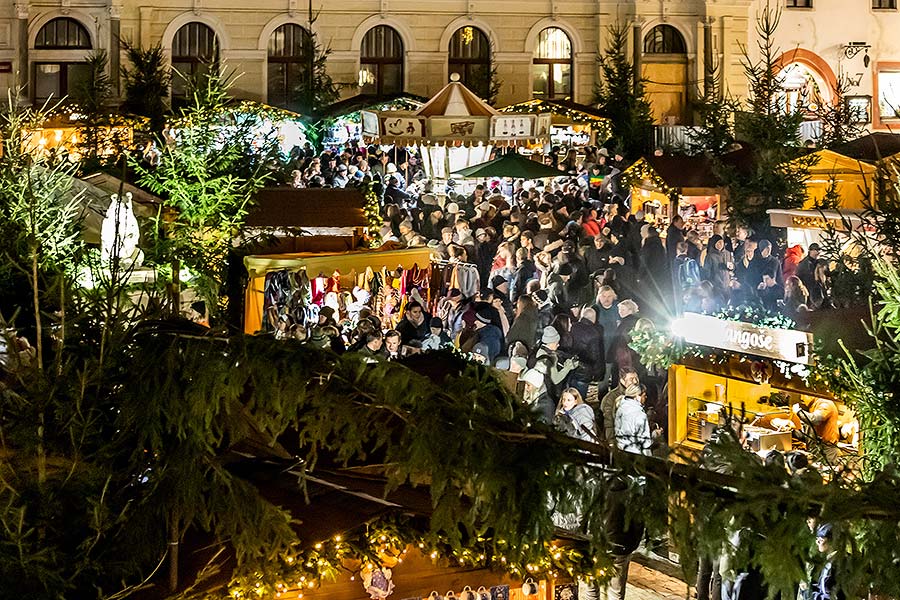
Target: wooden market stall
x,y
345,266
343,120
455,129
663,186
571,124
846,181
757,378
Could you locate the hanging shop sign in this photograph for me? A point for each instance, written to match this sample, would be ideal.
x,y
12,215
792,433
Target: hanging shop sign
x,y
788,345
463,127
509,127
413,127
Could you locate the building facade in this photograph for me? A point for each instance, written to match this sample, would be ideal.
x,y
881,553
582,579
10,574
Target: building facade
x,y
531,48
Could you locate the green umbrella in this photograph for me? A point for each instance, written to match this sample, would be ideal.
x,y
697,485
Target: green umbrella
x,y
509,165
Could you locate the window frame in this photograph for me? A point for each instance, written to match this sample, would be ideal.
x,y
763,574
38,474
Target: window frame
x,y
194,62
877,121
799,4
549,62
676,40
304,62
468,65
79,27
380,62
892,5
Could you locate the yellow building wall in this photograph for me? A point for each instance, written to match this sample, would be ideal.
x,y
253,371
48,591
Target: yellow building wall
x,y
667,91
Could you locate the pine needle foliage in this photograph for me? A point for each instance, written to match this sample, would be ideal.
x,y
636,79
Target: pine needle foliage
x,y
620,95
208,173
776,176
146,83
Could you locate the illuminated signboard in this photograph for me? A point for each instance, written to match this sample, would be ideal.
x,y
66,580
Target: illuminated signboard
x,y
781,344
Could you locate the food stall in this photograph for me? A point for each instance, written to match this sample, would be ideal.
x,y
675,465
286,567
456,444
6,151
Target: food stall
x,y
299,284
663,186
807,226
454,130
755,374
571,124
342,121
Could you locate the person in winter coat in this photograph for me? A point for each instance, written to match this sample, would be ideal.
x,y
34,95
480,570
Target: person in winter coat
x,y
620,353
549,363
535,394
488,334
825,587
575,418
718,265
793,256
628,378
632,428
587,344
525,323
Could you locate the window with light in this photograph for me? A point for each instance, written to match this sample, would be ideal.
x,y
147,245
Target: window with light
x,y
552,65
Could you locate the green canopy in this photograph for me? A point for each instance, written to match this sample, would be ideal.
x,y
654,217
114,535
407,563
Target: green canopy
x,y
513,165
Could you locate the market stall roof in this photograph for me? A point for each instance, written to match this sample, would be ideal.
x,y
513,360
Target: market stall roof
x,y
564,112
511,164
404,101
455,116
456,100
678,172
872,147
308,207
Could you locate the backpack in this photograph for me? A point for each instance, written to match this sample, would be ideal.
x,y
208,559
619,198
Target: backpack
x,y
688,273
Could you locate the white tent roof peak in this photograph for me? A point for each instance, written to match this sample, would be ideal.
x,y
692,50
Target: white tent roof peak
x,y
456,100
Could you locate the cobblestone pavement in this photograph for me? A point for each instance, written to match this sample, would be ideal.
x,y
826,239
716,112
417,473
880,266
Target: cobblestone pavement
x,y
647,584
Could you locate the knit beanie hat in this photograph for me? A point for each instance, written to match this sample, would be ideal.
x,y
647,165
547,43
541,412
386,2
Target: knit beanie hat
x,y
550,335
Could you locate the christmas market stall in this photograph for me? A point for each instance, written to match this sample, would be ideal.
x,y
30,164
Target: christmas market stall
x,y
298,285
286,219
342,121
455,129
663,186
762,375
839,182
571,124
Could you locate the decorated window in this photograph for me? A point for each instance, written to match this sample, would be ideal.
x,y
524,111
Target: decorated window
x,y
552,65
195,52
381,62
290,58
889,94
470,58
664,39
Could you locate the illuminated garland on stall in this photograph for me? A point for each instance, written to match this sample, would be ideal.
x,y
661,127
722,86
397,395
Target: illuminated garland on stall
x,y
600,125
372,209
641,171
386,543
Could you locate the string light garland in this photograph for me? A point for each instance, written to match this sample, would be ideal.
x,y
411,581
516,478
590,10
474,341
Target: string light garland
x,y
600,125
385,543
372,210
640,172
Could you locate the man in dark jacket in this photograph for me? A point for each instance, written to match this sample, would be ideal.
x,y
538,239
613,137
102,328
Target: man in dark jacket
x,y
557,286
674,234
655,281
414,325
488,334
587,343
806,268
767,262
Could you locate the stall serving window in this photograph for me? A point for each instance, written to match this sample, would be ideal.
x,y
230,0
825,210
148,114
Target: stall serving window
x,y
70,42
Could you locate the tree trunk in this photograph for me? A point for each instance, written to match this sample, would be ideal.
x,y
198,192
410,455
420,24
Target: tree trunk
x,y
62,325
35,296
175,299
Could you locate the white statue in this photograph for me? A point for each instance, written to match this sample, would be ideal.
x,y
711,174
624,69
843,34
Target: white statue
x,y
120,234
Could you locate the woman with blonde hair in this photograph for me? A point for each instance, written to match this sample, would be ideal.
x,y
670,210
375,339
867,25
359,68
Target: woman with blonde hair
x,y
575,418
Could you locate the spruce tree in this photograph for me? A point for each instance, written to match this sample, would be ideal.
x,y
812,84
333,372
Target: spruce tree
x,y
621,97
776,173
147,83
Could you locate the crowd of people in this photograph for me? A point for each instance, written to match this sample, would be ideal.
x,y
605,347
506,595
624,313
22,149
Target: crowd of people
x,y
567,269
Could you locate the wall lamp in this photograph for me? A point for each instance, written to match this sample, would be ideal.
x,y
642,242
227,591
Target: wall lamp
x,y
851,49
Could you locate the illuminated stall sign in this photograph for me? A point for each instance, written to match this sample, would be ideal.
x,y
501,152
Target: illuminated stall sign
x,y
781,344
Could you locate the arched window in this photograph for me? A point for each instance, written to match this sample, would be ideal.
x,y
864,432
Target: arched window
x,y
664,39
381,62
60,77
195,51
470,58
290,56
552,65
